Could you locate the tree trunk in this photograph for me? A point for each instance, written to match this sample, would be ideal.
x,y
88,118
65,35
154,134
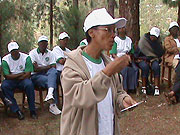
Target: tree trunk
x,y
0,37
75,3
178,20
51,24
129,9
111,4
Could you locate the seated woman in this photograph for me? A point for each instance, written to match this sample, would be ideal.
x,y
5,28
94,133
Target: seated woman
x,y
172,45
172,57
123,45
149,53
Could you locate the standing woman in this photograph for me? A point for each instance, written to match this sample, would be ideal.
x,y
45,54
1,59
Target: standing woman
x,y
93,94
123,45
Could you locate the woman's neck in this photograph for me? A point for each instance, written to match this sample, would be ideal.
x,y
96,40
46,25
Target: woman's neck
x,y
93,51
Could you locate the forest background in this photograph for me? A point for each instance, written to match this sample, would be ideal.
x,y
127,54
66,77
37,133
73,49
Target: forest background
x,y
25,20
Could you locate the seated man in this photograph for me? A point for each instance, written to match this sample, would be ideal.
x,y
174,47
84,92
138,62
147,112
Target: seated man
x,y
17,68
59,50
149,53
45,74
5,100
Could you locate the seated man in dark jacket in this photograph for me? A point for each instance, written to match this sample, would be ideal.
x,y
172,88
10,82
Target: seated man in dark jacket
x,y
149,53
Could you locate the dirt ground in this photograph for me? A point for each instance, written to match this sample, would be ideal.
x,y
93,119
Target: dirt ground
x,y
154,117
46,124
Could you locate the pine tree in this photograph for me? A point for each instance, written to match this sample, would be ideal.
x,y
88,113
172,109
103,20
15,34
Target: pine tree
x,y
174,3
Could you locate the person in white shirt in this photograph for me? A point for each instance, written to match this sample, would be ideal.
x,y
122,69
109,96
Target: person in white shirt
x,y
17,68
59,50
93,94
45,73
123,45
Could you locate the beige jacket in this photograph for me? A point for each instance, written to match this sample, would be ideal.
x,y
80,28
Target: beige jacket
x,y
82,93
171,50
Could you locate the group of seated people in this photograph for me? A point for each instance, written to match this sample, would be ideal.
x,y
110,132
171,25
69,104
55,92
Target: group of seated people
x,y
148,55
41,68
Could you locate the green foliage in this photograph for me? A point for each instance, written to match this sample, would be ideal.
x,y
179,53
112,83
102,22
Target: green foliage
x,y
155,13
16,25
72,23
171,3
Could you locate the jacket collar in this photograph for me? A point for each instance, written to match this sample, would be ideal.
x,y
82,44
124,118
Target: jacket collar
x,y
76,56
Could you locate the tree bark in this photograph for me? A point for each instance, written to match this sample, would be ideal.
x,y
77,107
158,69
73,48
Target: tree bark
x,y
111,4
51,24
129,9
178,20
0,37
75,3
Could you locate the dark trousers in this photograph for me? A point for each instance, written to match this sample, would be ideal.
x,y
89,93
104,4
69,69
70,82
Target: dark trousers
x,y
176,86
47,80
145,68
8,87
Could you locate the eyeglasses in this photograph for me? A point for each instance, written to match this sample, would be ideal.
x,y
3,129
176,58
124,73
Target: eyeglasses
x,y
109,30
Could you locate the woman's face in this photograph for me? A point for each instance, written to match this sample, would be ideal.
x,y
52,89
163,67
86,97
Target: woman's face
x,y
104,36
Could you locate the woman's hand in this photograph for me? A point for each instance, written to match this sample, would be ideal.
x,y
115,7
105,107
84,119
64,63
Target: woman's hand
x,y
128,101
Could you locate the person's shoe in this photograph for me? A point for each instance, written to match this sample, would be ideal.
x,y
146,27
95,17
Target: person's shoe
x,y
33,115
53,109
20,115
143,90
156,92
49,98
7,102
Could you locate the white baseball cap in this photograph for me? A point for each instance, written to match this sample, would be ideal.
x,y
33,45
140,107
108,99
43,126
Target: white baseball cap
x,y
12,46
42,38
63,35
172,24
102,17
155,32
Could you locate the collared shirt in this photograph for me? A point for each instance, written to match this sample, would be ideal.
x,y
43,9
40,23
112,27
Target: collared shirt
x,y
105,107
121,46
45,59
59,54
11,66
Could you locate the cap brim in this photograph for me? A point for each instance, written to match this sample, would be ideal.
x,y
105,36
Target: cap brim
x,y
42,40
121,22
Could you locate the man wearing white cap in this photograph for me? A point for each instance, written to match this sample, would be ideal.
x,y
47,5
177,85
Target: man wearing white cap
x,y
17,68
149,52
45,73
59,50
93,94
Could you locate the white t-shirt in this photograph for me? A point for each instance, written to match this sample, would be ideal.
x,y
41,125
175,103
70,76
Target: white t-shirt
x,y
178,45
59,53
123,45
105,107
0,61
46,59
16,66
